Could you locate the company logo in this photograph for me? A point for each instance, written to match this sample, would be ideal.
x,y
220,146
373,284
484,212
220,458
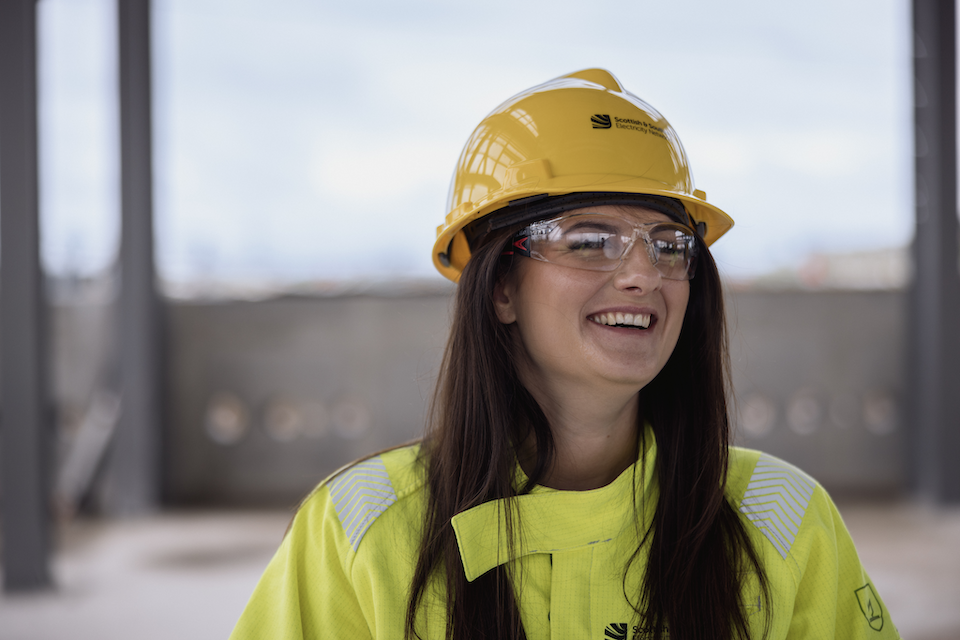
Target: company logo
x,y
601,121
614,630
870,606
621,631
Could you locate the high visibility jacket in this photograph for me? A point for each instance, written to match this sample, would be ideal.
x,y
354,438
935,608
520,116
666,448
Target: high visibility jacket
x,y
345,566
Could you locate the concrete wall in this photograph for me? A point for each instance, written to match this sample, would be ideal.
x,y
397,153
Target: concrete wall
x,y
819,381
266,398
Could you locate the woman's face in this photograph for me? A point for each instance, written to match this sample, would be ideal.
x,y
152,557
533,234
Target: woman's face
x,y
561,316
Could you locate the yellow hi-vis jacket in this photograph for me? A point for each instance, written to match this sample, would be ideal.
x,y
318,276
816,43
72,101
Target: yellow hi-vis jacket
x,y
345,567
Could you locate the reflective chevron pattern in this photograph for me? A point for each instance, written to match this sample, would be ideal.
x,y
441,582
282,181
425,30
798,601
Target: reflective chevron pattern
x,y
776,499
360,494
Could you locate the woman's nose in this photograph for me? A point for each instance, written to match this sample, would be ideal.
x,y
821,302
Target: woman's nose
x,y
637,271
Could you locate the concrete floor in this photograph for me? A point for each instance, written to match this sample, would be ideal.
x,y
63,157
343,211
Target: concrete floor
x,y
187,575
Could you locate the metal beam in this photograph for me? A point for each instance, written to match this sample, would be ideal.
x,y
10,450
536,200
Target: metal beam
x,y
132,482
25,430
934,392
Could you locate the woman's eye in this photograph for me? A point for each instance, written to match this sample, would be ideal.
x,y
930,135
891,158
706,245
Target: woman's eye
x,y
583,243
671,251
586,245
669,248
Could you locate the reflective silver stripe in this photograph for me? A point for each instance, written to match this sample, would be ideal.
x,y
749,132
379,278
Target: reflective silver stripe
x,y
776,499
360,494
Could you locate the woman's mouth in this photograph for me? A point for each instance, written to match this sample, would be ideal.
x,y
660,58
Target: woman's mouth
x,y
630,320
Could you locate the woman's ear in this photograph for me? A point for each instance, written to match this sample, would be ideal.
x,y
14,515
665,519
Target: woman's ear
x,y
503,300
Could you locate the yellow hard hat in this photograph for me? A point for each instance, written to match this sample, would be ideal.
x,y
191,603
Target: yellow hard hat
x,y
581,133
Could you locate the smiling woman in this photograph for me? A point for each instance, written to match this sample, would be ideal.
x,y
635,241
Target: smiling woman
x,y
562,315
576,479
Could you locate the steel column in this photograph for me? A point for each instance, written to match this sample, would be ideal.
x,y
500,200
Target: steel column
x,y
934,327
132,483
25,429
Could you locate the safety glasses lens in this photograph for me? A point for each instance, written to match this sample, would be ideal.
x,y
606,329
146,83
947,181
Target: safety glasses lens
x,y
674,251
598,242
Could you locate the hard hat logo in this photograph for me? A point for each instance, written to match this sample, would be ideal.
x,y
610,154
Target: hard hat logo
x,y
638,125
537,144
601,121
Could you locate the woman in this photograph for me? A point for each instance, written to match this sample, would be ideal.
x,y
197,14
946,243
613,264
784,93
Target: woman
x,y
576,479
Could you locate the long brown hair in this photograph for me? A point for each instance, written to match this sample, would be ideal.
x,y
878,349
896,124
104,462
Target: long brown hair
x,y
699,552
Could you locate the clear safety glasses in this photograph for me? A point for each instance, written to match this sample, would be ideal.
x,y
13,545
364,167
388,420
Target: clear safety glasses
x,y
599,242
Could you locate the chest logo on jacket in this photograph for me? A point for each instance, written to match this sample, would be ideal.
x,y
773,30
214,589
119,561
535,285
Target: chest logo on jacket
x,y
621,631
616,631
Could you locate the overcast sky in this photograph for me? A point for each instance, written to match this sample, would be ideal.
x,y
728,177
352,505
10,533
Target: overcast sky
x,y
299,140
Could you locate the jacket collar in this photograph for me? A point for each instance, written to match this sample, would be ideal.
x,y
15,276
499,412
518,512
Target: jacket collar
x,y
553,521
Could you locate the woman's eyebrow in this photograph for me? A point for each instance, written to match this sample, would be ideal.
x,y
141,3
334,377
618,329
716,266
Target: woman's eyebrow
x,y
592,225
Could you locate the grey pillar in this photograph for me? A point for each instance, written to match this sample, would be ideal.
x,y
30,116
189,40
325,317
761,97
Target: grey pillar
x,y
24,426
934,402
132,482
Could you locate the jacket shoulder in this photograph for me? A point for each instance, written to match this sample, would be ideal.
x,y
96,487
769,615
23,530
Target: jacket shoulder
x,y
772,494
362,492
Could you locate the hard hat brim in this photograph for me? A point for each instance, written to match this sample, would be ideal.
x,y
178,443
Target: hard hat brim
x,y
451,250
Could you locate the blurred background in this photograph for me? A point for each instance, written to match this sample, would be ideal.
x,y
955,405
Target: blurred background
x,y
298,165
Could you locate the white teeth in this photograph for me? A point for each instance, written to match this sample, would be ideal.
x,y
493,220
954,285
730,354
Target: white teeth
x,y
641,320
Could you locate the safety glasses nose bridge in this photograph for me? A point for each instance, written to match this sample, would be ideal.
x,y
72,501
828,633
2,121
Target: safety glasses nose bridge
x,y
640,232
665,268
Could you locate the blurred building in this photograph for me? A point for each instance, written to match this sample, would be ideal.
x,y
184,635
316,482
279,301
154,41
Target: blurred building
x,y
265,396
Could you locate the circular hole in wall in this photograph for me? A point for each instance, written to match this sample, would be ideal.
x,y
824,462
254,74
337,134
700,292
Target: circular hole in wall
x,y
804,412
879,413
227,418
351,419
282,419
758,414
